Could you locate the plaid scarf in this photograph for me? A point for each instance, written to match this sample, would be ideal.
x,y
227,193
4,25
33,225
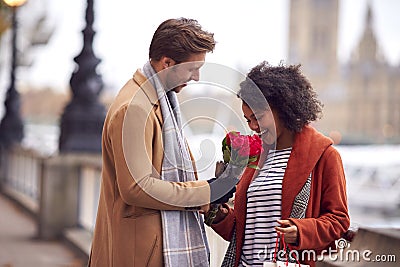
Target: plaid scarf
x,y
184,238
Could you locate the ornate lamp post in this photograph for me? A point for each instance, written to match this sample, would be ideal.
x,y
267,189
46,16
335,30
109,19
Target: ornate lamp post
x,y
11,126
82,120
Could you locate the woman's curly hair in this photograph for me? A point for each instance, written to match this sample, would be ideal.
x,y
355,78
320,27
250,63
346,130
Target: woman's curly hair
x,y
285,90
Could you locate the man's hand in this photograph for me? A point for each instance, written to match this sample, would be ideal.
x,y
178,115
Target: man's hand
x,y
204,209
289,230
223,187
221,198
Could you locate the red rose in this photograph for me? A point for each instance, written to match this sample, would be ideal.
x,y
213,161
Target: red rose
x,y
255,145
229,137
244,151
238,141
241,149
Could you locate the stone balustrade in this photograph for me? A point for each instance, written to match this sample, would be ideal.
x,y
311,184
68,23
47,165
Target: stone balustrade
x,y
62,192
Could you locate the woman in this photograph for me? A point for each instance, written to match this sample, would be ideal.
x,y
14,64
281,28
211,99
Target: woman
x,y
299,189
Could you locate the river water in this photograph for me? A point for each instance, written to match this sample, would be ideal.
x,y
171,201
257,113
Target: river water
x,y
372,173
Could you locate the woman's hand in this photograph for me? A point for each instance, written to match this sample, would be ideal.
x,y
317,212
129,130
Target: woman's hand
x,y
221,213
289,230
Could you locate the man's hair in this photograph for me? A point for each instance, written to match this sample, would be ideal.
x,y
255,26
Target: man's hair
x,y
286,90
179,38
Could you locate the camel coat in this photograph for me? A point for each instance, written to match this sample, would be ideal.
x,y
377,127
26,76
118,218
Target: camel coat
x,y
128,230
327,216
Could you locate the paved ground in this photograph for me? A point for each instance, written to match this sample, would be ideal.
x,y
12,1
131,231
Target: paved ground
x,y
19,248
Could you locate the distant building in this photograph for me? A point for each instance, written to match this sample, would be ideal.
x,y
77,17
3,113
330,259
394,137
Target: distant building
x,y
362,97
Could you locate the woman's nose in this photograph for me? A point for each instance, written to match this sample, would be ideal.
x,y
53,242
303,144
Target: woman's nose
x,y
254,126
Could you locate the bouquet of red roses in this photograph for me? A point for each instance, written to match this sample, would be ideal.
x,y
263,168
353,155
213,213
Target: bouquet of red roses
x,y
241,150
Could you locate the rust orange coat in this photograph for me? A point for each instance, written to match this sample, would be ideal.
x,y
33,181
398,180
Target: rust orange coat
x,y
327,214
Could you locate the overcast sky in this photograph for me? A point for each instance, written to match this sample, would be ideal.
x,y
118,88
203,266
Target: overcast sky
x,y
247,32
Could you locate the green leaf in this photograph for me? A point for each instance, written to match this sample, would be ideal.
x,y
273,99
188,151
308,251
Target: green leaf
x,y
253,166
226,155
224,143
252,159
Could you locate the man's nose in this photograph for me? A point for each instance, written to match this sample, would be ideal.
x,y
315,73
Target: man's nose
x,y
195,75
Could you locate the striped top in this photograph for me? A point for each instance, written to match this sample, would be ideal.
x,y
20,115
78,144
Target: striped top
x,y
264,202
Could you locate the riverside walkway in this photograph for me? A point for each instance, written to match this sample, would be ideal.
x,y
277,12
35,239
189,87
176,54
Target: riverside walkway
x,y
61,193
19,246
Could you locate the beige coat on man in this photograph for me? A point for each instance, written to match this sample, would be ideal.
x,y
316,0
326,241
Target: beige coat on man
x,y
128,229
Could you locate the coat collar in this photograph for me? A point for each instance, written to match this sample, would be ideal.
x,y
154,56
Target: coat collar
x,y
149,91
308,147
146,87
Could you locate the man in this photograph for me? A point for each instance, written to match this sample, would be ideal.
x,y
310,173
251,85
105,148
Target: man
x,y
148,212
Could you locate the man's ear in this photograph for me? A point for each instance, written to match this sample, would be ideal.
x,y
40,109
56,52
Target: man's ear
x,y
167,62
